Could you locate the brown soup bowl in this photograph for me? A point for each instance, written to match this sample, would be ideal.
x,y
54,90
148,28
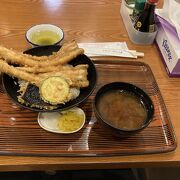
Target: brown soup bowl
x,y
123,108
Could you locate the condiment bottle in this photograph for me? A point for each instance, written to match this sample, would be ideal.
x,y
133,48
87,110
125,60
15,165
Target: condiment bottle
x,y
130,3
146,21
138,8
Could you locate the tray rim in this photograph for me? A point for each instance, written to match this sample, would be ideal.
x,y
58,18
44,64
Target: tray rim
x,y
161,150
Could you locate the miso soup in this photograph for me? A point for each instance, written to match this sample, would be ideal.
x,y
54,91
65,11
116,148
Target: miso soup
x,y
122,109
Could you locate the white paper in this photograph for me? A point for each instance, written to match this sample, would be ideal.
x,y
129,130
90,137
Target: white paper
x,y
171,13
119,49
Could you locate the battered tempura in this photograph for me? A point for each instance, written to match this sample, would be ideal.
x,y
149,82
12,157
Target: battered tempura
x,y
34,69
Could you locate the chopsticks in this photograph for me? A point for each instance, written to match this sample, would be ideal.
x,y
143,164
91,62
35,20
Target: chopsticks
x,y
136,53
116,49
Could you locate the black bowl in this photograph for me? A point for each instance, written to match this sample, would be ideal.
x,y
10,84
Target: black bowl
x,y
133,90
11,85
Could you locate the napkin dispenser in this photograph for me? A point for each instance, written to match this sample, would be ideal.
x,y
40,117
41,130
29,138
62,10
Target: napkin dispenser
x,y
168,42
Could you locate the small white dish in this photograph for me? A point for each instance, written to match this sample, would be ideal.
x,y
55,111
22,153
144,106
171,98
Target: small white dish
x,y
44,34
50,120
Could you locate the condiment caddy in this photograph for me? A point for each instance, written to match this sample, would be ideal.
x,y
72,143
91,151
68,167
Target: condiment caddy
x,y
137,37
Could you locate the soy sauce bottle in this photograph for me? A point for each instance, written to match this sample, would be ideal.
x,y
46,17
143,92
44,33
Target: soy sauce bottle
x,y
146,21
138,8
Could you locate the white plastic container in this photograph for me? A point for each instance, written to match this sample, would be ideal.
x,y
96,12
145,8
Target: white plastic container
x,y
137,37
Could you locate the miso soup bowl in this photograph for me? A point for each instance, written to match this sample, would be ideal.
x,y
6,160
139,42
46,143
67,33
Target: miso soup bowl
x,y
133,90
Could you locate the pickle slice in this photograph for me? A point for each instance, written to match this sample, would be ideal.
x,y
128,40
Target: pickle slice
x,y
54,90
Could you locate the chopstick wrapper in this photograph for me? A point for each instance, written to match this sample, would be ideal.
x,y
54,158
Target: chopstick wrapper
x,y
118,49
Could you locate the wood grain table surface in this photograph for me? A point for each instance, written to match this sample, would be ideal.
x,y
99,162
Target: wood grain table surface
x,y
86,21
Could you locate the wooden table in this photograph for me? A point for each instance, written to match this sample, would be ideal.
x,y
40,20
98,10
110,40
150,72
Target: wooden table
x,y
86,21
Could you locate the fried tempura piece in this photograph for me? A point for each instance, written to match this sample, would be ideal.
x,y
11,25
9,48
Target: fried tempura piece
x,y
43,69
54,90
14,58
76,77
65,47
52,68
34,99
9,53
81,66
65,58
68,46
11,70
79,74
79,81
